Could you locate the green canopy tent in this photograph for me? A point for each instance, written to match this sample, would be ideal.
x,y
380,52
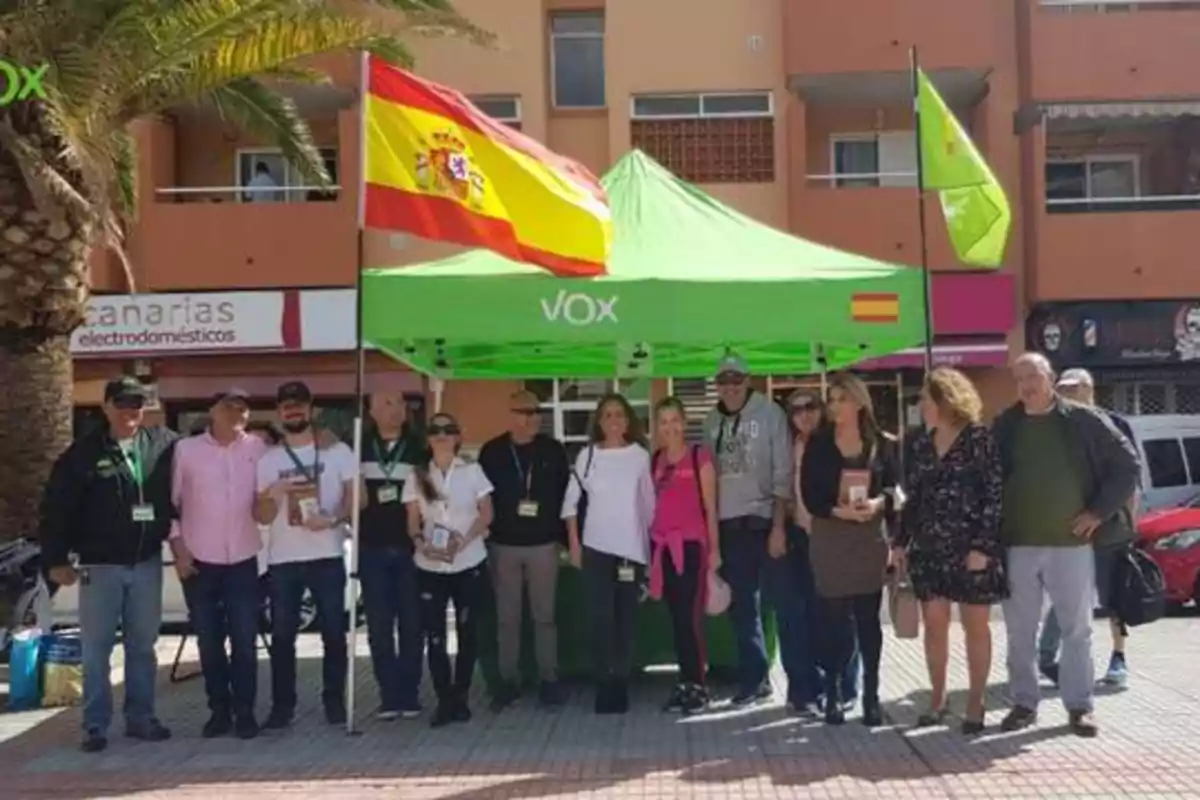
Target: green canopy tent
x,y
688,279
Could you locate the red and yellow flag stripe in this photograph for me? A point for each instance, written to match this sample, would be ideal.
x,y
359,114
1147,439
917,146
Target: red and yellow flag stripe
x,y
438,167
875,307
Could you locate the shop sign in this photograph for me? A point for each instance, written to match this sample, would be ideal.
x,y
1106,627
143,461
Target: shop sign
x,y
165,323
1114,334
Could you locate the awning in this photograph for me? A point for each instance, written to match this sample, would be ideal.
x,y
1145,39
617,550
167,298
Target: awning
x,y
1138,110
980,352
961,88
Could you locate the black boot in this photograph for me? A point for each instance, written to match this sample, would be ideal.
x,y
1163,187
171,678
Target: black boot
x,y
872,715
834,715
620,703
606,698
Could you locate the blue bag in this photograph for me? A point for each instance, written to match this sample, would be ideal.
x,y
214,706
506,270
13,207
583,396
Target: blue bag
x,y
24,670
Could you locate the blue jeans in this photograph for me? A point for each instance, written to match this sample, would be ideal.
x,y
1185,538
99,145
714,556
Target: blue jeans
x,y
325,578
792,592
128,598
223,602
392,605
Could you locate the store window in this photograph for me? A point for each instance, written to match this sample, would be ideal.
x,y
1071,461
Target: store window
x,y
577,59
1164,460
260,169
726,137
569,403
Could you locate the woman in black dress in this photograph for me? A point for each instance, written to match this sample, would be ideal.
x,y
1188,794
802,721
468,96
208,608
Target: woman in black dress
x,y
951,532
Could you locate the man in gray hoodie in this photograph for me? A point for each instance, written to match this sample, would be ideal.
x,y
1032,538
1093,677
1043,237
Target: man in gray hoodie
x,y
749,437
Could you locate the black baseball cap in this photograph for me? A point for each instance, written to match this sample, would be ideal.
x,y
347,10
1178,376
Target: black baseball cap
x,y
232,394
294,392
127,387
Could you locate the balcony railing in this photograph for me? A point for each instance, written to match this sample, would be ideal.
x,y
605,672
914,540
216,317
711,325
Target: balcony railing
x,y
1086,205
247,194
865,180
1120,6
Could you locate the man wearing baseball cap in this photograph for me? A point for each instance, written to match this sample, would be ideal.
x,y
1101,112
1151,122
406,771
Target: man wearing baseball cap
x,y
305,495
1109,544
749,436
216,542
105,514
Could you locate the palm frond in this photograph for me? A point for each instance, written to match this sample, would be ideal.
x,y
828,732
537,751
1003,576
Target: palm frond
x,y
273,118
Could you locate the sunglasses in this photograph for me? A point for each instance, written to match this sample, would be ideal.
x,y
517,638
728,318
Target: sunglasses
x,y
129,403
730,380
526,412
443,430
796,409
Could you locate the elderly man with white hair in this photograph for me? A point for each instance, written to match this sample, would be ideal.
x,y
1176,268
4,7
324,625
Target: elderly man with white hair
x,y
1068,474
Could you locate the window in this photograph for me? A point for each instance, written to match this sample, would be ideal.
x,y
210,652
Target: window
x,y
1191,451
708,137
1092,177
568,404
502,108
1164,459
263,168
888,158
577,59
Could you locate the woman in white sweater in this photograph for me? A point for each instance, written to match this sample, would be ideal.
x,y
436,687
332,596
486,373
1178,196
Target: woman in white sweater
x,y
608,509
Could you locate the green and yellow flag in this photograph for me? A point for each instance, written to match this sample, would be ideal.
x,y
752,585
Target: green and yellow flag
x,y
977,214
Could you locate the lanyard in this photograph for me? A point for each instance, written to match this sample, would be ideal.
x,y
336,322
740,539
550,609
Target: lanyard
x,y
315,476
522,476
388,462
133,459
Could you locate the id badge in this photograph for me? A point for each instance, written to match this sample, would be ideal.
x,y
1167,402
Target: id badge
x,y
387,494
143,512
625,574
527,508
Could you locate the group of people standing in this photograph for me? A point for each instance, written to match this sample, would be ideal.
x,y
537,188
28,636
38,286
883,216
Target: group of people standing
x,y
812,506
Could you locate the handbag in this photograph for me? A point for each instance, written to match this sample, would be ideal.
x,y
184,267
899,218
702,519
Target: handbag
x,y
903,607
581,508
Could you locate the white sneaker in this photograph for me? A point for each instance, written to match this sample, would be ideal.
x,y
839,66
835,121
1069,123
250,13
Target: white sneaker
x,y
387,715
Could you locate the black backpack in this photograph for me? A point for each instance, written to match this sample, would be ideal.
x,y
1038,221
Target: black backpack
x,y
581,508
1140,593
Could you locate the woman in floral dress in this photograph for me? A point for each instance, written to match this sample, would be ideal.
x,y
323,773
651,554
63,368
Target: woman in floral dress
x,y
951,535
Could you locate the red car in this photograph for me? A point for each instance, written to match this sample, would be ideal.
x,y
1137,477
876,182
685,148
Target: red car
x,y
1171,536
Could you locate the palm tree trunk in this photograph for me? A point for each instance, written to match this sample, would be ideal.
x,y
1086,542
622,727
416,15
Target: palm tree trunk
x,y
36,388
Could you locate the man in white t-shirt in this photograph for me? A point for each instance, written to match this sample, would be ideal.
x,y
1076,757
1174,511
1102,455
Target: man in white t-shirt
x,y
305,497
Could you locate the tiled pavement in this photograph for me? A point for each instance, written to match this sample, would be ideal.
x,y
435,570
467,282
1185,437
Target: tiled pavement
x,y
1149,747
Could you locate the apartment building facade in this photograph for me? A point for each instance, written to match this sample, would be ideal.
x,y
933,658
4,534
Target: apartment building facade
x,y
795,112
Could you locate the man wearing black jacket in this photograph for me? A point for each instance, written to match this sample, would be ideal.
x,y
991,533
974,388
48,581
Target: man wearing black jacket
x,y
385,564
529,473
105,514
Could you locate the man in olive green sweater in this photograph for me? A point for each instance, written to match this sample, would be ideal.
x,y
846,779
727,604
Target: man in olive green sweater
x,y
1068,473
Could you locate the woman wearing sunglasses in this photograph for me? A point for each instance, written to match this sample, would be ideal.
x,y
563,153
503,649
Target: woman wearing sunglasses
x,y
449,510
608,509
796,610
685,546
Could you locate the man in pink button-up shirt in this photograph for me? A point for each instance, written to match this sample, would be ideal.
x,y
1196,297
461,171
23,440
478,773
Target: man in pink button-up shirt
x,y
216,542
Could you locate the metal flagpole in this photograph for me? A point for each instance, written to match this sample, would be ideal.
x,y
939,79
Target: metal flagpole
x,y
359,381
927,291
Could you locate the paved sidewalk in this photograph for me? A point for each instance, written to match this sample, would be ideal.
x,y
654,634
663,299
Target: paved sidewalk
x,y
1149,746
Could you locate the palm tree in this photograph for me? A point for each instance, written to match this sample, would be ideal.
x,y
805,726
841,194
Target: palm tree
x,y
67,160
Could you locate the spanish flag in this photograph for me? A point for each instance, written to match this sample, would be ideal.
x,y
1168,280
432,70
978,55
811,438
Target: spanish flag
x,y
438,167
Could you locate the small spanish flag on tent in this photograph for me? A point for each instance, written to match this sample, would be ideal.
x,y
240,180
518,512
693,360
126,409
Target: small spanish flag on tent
x,y
438,167
875,307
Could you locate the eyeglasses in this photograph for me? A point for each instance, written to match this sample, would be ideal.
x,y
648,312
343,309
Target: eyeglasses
x,y
129,403
799,407
526,412
730,379
443,430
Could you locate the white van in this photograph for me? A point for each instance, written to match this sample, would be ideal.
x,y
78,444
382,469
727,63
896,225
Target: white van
x,y
1169,445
